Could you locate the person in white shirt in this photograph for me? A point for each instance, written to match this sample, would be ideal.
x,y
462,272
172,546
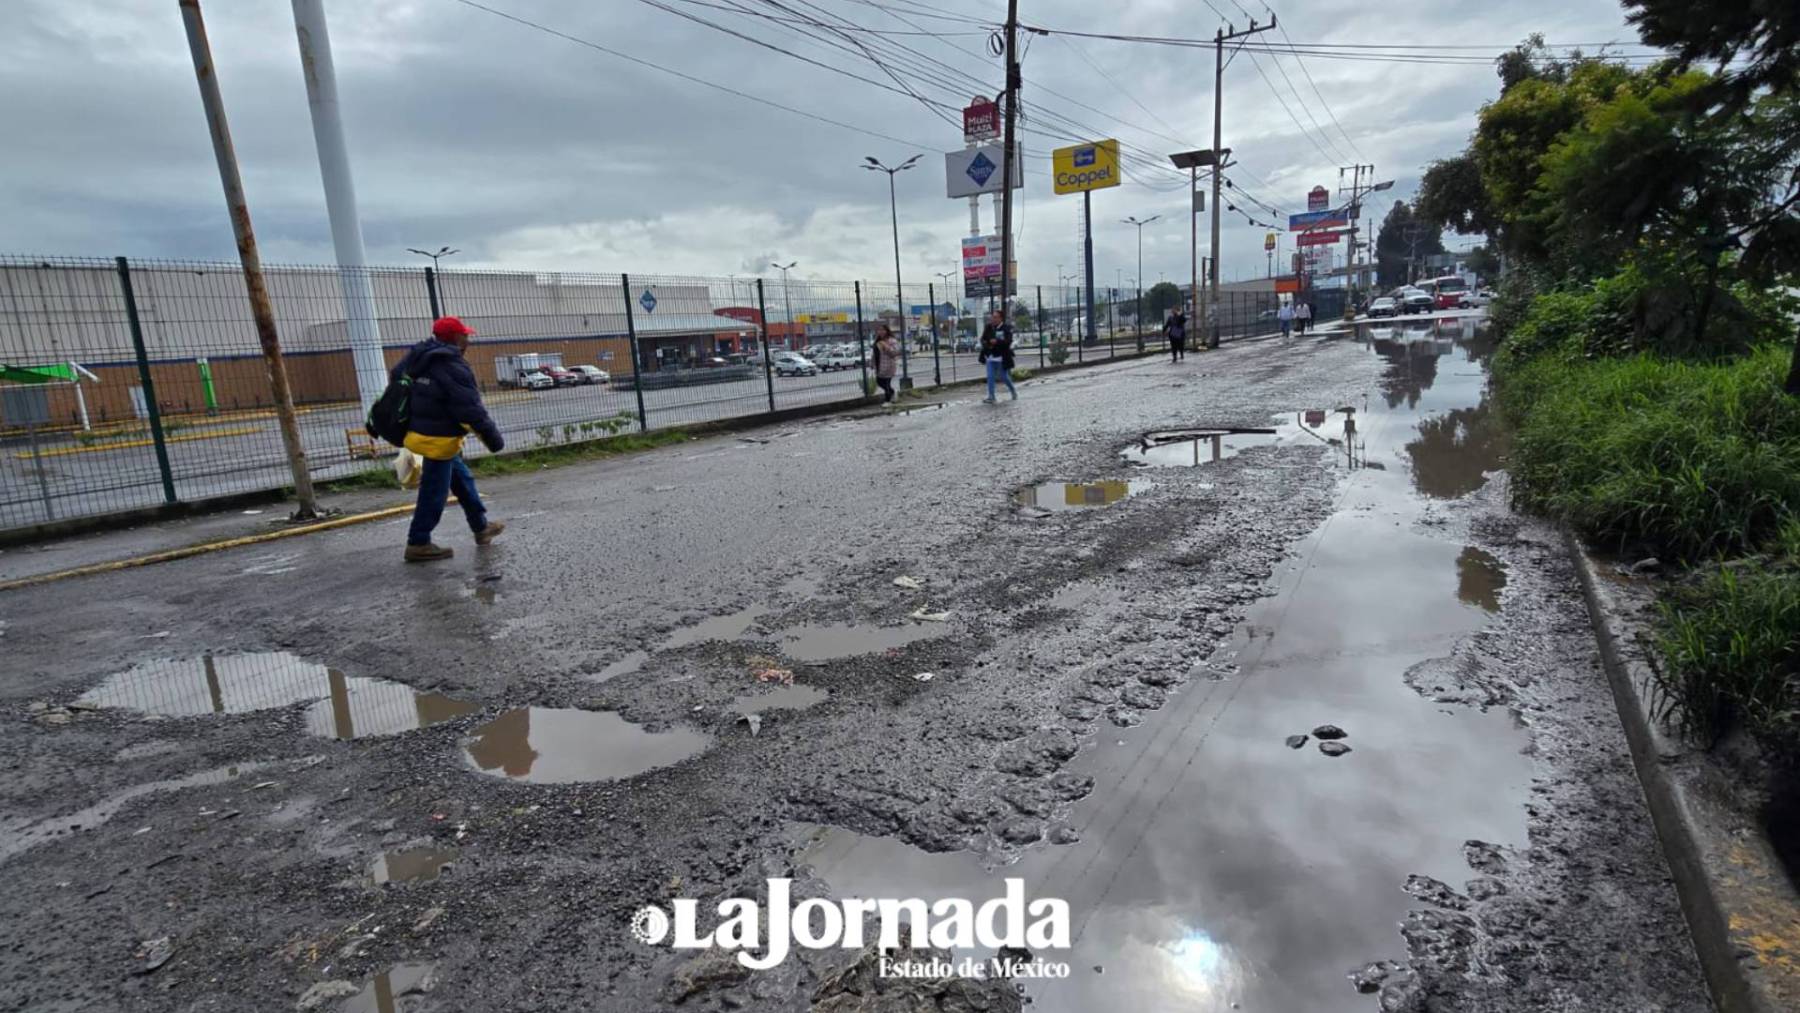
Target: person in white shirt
x,y
1286,316
1303,316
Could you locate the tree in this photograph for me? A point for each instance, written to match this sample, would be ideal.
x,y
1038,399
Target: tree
x,y
1451,196
1482,261
1162,297
1402,244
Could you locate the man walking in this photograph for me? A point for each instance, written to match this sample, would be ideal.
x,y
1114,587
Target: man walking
x,y
1176,331
1286,316
445,406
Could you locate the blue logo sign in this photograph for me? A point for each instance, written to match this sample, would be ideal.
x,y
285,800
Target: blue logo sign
x,y
647,301
980,168
1084,156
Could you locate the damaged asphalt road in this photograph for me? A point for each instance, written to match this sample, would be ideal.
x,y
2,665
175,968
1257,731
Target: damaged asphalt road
x,y
310,777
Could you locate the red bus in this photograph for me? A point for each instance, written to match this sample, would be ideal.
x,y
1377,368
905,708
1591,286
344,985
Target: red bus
x,y
1446,291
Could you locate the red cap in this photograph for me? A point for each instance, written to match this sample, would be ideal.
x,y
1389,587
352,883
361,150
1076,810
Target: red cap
x,y
450,328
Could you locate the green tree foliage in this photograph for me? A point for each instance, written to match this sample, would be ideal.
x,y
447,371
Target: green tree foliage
x,y
1484,263
1404,241
1162,297
1757,40
1451,196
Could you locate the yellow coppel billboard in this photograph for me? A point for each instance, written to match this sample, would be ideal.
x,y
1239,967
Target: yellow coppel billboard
x,y
1093,166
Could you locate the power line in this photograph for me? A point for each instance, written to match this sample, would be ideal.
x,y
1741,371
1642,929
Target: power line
x,y
684,76
1324,104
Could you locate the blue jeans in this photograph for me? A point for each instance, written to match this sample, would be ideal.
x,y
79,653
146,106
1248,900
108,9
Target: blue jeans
x,y
437,480
997,371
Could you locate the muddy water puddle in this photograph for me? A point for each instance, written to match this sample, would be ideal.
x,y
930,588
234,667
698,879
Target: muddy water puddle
x,y
344,707
18,835
815,642
411,865
1218,869
796,697
384,992
1056,497
544,745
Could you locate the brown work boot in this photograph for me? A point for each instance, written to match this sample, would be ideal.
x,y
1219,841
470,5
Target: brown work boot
x,y
428,552
488,534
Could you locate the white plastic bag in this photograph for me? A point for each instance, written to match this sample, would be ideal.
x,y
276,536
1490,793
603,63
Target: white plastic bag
x,y
408,467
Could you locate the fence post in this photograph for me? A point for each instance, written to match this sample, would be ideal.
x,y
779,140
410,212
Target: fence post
x,y
762,312
862,346
937,366
637,371
431,290
143,365
1043,339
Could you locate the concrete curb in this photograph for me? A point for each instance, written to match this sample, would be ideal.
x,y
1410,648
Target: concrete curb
x,y
1742,911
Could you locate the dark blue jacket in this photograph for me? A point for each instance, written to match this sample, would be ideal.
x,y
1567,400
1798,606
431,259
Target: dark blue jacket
x,y
444,396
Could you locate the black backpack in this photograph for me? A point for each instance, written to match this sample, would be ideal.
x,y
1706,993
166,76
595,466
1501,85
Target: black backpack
x,y
392,411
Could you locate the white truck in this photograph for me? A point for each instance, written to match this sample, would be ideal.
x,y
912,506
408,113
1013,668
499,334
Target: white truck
x,y
511,370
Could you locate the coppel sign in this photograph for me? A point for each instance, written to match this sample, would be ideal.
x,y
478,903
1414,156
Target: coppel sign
x,y
1082,167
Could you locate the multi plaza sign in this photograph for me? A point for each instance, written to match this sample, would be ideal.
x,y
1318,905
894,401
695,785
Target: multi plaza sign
x,y
1093,166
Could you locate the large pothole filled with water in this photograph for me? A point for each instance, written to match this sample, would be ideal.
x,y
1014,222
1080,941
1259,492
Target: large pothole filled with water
x,y
1056,497
547,745
344,707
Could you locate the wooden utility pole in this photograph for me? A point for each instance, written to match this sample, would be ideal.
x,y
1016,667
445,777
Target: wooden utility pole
x,y
239,210
1010,113
1219,40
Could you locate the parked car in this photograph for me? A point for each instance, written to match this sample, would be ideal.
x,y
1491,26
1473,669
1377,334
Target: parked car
x,y
536,380
793,364
1413,300
1384,307
967,343
1475,299
590,374
560,376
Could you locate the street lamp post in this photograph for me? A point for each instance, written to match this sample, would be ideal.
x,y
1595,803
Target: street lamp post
x,y
1133,220
431,287
874,164
956,318
787,300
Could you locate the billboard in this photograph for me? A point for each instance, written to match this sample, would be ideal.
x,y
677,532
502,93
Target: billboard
x,y
1318,238
977,170
1334,218
1317,199
1083,167
980,257
1269,242
981,120
821,318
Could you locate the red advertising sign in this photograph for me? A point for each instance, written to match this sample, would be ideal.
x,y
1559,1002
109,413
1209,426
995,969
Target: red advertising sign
x,y
981,120
1318,199
1317,238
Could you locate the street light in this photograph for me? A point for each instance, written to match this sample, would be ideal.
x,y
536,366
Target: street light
x,y
874,165
785,299
431,285
1133,220
442,251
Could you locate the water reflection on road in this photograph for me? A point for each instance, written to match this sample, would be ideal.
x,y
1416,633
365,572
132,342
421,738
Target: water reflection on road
x,y
1217,866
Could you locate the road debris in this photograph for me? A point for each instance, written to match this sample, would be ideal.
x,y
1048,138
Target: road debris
x,y
1296,741
924,676
929,617
1333,748
154,953
910,583
1329,732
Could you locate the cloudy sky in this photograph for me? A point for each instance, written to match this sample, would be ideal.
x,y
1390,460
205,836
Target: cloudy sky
x,y
531,151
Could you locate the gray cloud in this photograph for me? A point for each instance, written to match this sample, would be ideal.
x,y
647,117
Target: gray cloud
x,y
529,151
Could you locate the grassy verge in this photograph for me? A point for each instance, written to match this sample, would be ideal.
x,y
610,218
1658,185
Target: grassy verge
x,y
1692,456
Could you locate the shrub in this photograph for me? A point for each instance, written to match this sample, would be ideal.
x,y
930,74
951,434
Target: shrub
x,y
1059,353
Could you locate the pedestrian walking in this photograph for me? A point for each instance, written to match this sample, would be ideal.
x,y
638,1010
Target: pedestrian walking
x,y
1175,329
997,353
1286,316
1303,316
445,406
887,361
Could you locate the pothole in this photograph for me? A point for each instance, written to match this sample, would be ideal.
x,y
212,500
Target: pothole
x,y
411,865
345,707
795,697
544,745
1188,448
381,991
1055,497
1480,577
829,641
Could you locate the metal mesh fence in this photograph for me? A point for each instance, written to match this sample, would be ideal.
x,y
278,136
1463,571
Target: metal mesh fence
x,y
133,384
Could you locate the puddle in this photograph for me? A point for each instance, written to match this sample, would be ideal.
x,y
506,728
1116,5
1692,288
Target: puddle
x,y
17,835
383,991
543,745
411,865
1190,448
788,698
346,707
1480,578
725,627
1060,496
830,641
624,666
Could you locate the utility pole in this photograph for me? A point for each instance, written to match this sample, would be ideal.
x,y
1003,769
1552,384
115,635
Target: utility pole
x,y
1219,40
360,316
1009,112
258,289
1358,190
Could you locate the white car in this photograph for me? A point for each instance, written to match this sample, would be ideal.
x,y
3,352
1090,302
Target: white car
x,y
793,364
839,358
1474,299
535,380
591,374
